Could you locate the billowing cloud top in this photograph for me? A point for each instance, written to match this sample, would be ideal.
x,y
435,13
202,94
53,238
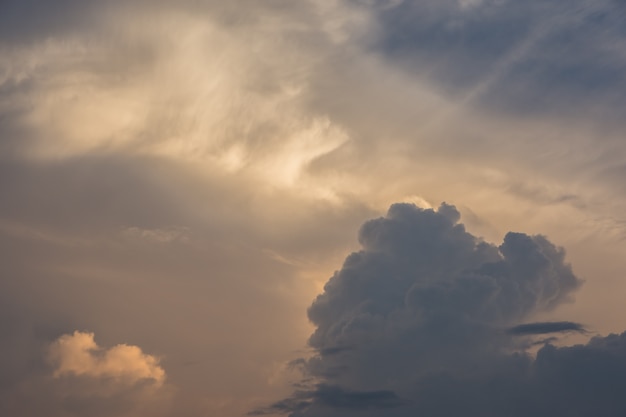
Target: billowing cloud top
x,y
420,271
419,322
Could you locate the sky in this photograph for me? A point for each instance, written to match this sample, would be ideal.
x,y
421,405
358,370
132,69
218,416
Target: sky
x,y
326,208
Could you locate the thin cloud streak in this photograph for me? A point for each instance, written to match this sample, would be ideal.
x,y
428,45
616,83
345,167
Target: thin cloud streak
x,y
546,328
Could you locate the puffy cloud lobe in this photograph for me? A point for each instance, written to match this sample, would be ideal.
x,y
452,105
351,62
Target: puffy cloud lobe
x,y
427,320
79,355
419,266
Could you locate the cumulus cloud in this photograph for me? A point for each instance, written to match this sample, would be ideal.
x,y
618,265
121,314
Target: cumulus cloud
x,y
427,319
79,355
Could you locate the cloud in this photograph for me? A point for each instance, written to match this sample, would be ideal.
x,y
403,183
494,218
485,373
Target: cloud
x,y
421,263
546,327
210,97
138,166
79,355
422,306
165,235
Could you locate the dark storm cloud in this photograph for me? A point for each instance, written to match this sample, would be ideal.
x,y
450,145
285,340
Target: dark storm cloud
x,y
423,304
424,262
547,327
529,55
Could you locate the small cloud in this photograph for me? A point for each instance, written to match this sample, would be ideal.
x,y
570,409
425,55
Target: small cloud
x,y
79,355
157,235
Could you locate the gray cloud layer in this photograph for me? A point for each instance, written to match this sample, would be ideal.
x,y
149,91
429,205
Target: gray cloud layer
x,y
425,320
530,56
